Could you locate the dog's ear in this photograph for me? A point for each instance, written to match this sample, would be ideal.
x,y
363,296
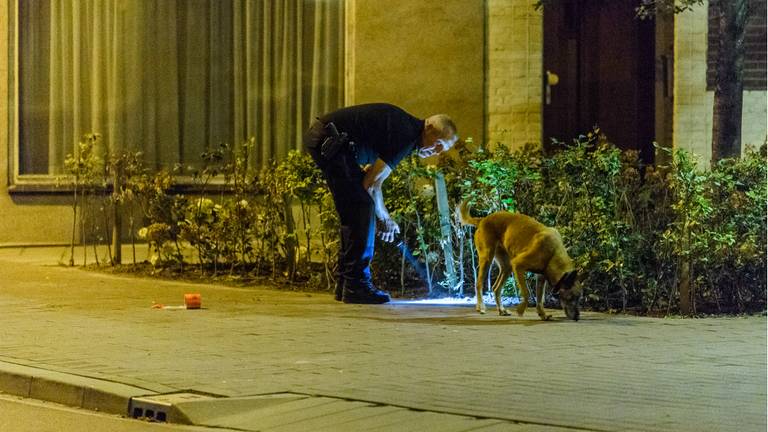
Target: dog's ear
x,y
567,281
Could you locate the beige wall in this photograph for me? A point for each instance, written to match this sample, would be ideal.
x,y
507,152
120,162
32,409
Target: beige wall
x,y
692,124
425,56
514,73
24,219
430,57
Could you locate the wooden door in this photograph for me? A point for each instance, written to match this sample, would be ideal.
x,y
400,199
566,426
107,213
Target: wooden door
x,y
603,59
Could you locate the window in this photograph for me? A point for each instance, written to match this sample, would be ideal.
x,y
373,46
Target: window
x,y
754,46
172,77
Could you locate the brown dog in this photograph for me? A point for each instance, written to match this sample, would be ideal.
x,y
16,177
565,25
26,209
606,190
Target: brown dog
x,y
520,244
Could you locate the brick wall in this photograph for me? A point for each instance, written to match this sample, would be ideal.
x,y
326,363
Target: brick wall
x,y
692,124
514,50
754,45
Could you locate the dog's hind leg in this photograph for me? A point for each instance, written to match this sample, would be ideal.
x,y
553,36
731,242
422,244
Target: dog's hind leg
x,y
483,279
504,271
540,281
486,250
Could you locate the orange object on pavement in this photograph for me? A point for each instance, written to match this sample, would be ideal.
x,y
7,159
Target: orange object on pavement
x,y
192,301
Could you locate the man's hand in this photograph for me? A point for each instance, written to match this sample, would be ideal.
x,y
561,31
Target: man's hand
x,y
374,178
389,230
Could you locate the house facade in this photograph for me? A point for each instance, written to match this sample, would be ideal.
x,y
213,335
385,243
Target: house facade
x,y
506,72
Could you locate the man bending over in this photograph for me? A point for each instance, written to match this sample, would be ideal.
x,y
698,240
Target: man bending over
x,y
377,137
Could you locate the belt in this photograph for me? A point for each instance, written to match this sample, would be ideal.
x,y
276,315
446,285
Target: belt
x,y
335,141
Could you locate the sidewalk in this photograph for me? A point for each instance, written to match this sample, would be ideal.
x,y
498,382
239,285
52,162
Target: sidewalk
x,y
258,359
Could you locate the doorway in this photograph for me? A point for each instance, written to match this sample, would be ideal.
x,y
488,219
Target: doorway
x,y
599,71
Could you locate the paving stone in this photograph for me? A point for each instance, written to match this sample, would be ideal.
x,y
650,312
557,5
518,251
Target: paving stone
x,y
603,373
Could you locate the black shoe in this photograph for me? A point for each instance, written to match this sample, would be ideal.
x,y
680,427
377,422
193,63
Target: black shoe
x,y
338,292
363,293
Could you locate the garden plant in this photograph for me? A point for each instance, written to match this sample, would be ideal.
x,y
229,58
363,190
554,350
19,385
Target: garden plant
x,y
649,239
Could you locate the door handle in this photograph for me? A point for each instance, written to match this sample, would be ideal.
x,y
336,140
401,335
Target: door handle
x,y
551,79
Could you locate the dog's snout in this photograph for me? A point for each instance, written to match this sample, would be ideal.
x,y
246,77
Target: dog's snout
x,y
571,309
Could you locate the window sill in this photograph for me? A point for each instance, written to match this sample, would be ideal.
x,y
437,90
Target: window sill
x,y
52,188
38,189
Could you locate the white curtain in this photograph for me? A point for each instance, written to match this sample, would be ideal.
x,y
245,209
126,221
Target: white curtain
x,y
174,77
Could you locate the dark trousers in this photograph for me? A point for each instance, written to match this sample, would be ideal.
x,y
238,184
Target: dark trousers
x,y
353,204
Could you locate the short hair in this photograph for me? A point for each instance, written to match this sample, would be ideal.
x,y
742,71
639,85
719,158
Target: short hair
x,y
446,124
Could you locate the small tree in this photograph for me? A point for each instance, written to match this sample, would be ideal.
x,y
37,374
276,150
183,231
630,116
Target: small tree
x,y
84,167
729,87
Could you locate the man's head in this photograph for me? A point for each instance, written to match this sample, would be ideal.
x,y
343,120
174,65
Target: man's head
x,y
439,135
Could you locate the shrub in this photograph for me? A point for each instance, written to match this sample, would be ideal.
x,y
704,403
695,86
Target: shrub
x,y
645,238
638,233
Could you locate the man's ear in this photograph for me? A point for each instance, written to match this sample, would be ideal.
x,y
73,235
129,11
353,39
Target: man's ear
x,y
430,129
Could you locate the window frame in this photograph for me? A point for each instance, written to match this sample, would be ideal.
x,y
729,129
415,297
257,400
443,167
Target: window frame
x,y
22,183
52,184
16,182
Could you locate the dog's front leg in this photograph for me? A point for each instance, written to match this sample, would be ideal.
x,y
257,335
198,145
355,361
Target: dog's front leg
x,y
540,281
521,285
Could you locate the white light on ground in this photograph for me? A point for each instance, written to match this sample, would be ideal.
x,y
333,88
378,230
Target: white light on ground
x,y
459,301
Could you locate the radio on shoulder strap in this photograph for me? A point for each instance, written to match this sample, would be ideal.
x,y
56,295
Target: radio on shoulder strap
x,y
334,142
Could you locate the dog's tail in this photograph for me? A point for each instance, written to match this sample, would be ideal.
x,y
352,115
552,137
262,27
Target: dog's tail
x,y
464,217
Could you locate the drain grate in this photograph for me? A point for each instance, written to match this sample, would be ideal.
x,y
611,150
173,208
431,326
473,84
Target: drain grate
x,y
160,408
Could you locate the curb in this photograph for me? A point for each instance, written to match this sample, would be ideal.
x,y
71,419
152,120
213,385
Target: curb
x,y
67,389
